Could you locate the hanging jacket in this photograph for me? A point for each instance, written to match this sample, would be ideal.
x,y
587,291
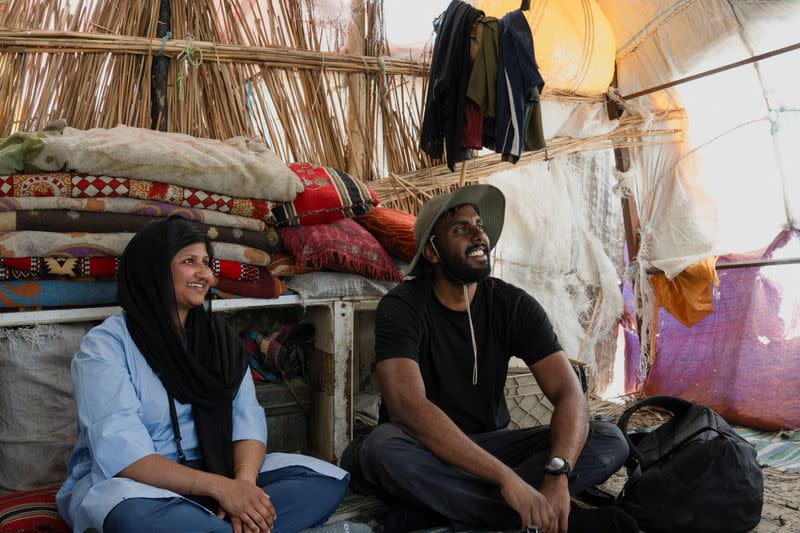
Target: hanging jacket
x,y
519,85
482,86
443,118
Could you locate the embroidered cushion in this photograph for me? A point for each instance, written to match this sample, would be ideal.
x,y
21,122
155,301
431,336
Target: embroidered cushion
x,y
394,229
31,511
284,264
341,246
328,195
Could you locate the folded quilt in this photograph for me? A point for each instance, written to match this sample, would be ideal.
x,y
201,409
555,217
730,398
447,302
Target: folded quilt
x,y
71,293
48,244
106,267
72,185
74,221
236,166
149,208
56,293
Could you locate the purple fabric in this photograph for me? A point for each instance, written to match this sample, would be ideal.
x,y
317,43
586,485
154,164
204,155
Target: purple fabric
x,y
633,382
743,359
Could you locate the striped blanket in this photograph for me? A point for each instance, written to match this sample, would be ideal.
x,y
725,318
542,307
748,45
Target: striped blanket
x,y
78,221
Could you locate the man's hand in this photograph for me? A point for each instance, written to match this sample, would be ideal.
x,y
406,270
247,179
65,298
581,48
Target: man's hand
x,y
249,507
533,508
556,490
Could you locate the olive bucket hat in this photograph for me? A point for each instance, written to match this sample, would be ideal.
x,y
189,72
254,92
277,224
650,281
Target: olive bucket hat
x,y
487,198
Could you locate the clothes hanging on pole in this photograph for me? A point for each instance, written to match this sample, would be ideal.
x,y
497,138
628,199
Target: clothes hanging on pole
x,y
444,117
519,85
482,85
472,137
473,127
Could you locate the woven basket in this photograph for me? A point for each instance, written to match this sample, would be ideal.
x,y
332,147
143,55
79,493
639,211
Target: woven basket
x,y
526,402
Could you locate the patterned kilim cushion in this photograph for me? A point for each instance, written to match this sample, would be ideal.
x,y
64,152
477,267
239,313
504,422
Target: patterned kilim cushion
x,y
328,195
31,511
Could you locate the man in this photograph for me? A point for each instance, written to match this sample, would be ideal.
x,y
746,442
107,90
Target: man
x,y
443,342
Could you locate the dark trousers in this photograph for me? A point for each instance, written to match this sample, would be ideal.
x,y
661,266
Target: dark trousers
x,y
399,466
302,498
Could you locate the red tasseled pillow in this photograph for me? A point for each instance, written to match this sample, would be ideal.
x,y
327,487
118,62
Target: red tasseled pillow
x,y
341,246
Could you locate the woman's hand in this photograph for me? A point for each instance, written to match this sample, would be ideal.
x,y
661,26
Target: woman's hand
x,y
249,507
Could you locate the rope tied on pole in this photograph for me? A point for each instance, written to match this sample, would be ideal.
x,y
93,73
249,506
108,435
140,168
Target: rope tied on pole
x,y
164,40
189,60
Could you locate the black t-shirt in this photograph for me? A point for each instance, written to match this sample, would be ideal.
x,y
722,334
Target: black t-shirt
x,y
411,322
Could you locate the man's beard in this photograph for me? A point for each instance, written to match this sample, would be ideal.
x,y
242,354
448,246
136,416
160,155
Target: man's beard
x,y
457,270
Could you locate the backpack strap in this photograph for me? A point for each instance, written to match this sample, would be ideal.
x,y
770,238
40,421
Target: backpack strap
x,y
671,403
633,477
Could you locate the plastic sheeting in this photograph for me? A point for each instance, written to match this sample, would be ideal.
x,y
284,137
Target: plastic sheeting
x,y
573,40
742,359
689,295
731,184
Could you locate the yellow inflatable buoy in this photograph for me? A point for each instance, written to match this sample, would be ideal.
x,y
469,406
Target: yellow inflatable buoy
x,y
573,40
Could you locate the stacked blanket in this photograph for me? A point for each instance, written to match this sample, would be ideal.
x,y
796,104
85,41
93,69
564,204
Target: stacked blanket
x,y
71,200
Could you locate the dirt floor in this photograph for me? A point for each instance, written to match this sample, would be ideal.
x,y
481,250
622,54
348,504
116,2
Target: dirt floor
x,y
781,512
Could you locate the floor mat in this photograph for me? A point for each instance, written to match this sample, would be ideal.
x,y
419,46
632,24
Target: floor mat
x,y
779,450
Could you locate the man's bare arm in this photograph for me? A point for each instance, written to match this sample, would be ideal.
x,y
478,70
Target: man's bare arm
x,y
570,422
568,427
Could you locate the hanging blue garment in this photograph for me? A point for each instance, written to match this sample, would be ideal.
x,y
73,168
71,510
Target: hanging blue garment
x,y
519,86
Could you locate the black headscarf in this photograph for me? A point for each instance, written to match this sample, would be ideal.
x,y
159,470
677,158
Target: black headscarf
x,y
202,364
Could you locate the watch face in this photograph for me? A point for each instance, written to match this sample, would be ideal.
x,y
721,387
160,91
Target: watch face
x,y
556,463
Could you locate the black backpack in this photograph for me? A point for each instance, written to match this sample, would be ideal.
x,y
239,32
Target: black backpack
x,y
691,474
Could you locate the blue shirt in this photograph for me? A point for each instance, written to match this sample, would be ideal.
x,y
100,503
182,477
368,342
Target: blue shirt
x,y
123,416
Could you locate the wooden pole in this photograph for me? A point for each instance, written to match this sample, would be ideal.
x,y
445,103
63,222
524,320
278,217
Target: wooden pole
x,y
622,156
356,152
462,178
159,111
713,71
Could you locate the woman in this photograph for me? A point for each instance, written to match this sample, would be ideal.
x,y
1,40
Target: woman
x,y
170,435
